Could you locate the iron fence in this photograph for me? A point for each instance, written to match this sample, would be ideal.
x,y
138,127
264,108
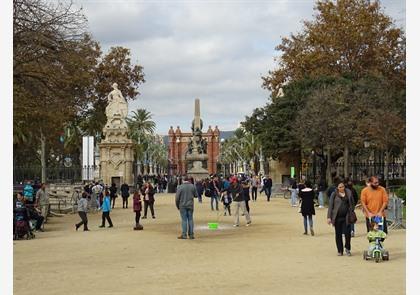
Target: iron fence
x,y
359,171
53,174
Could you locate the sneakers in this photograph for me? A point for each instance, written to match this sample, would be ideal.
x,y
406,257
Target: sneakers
x,y
352,234
144,217
191,237
312,231
348,253
320,206
235,225
182,238
339,254
248,223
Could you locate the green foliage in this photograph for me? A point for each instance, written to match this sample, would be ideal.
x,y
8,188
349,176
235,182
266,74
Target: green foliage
x,y
401,193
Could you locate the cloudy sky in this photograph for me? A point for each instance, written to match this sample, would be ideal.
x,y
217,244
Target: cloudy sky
x,y
213,50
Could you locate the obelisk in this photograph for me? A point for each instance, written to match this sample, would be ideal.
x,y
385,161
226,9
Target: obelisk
x,y
196,153
197,114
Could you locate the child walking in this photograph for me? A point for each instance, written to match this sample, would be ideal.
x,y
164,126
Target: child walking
x,y
137,210
106,209
226,200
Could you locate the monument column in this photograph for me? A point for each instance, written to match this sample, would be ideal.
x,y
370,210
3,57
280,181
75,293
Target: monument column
x,y
116,150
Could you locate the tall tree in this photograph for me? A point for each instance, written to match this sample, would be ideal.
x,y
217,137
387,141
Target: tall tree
x,y
52,61
346,37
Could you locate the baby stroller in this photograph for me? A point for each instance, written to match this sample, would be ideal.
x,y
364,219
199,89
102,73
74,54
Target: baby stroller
x,y
376,250
21,225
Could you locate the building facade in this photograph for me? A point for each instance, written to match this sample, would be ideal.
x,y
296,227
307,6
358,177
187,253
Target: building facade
x,y
178,145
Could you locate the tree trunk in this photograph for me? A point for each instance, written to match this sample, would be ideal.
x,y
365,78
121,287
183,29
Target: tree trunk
x,y
328,170
346,161
43,159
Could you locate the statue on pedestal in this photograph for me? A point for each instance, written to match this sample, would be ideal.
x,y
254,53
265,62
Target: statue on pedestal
x,y
117,108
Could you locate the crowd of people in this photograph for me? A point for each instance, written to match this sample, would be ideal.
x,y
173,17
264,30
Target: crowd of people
x,y
31,206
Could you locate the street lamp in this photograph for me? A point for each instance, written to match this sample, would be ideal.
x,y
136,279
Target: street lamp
x,y
313,165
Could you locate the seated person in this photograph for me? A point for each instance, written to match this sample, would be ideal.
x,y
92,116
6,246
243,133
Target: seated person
x,y
35,215
374,233
20,212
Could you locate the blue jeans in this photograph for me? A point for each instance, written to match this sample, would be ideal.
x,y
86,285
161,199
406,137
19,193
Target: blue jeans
x,y
321,199
214,198
305,222
294,196
268,193
187,221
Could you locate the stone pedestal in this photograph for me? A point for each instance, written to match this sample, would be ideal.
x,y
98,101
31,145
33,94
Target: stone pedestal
x,y
197,171
117,157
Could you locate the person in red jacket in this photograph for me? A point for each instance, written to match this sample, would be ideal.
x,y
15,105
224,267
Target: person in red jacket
x,y
137,210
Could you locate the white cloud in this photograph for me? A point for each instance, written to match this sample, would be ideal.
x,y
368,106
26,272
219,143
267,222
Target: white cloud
x,y
214,50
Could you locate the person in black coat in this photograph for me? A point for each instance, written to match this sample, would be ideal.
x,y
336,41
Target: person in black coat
x,y
307,196
125,194
113,193
340,205
349,185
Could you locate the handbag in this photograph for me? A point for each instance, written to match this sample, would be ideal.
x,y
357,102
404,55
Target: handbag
x,y
207,192
352,217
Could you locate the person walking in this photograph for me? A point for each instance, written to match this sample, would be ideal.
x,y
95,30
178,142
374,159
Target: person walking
x,y
215,192
293,192
340,205
245,190
113,193
268,183
82,209
184,201
307,196
106,209
43,201
149,199
235,190
255,182
137,210
321,189
125,194
374,201
200,189
349,185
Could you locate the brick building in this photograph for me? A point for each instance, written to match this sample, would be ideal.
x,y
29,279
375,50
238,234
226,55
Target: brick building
x,y
178,144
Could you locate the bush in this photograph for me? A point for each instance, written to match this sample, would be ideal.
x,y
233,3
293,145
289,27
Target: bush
x,y
358,188
400,192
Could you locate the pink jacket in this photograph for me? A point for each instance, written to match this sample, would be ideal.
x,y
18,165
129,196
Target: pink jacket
x,y
136,203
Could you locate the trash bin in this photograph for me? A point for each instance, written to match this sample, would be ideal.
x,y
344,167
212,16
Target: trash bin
x,y
172,187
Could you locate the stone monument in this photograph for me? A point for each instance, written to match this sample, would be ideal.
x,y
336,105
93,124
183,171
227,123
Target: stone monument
x,y
116,151
197,147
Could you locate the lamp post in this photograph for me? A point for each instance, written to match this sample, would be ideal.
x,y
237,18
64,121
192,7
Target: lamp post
x,y
178,141
313,166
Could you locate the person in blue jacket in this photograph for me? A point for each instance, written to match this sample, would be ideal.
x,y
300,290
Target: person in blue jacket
x,y
28,193
106,209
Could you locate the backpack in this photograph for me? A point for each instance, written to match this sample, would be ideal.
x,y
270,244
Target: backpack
x,y
207,192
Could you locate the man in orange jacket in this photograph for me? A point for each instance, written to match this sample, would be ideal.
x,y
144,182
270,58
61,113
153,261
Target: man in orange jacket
x,y
374,201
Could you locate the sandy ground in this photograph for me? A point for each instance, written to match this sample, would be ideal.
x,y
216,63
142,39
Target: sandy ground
x,y
269,257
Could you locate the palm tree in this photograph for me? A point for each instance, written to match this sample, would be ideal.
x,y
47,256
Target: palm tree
x,y
140,126
140,123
